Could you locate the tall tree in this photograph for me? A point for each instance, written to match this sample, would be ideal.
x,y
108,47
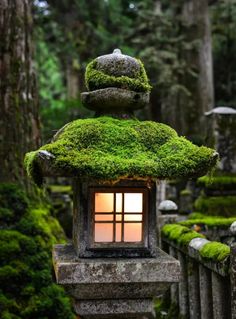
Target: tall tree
x,y
196,22
19,121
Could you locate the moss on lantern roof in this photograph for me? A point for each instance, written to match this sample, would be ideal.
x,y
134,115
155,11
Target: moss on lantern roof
x,y
110,149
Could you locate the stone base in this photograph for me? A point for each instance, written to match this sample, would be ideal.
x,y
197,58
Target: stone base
x,y
117,309
114,287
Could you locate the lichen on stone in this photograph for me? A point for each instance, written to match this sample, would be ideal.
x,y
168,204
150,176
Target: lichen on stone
x,y
110,149
97,79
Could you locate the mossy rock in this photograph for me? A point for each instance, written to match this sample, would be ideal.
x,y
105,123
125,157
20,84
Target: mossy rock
x,y
216,205
181,235
209,221
108,149
97,77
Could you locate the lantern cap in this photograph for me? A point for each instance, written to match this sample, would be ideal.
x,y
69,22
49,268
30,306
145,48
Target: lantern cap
x,y
116,83
109,149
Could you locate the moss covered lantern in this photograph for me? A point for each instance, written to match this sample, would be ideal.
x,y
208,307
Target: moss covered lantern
x,y
114,268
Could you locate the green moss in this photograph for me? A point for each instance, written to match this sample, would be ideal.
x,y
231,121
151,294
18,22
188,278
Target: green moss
x,y
26,240
215,251
185,192
217,182
97,79
179,234
105,148
216,206
210,222
33,168
60,189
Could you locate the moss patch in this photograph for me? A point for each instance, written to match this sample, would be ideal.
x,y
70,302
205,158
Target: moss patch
x,y
211,222
216,205
215,251
26,240
217,182
181,235
97,79
105,148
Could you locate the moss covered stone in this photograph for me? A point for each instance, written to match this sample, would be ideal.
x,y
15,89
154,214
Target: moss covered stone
x,y
26,238
181,235
106,148
225,183
210,221
97,79
215,251
216,205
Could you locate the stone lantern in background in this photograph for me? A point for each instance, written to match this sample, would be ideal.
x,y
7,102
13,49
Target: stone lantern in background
x,y
224,123
114,267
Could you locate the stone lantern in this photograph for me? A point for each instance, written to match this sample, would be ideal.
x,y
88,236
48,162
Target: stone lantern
x,y
113,268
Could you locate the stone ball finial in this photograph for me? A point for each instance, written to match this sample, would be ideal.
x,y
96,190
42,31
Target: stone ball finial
x,y
116,83
168,207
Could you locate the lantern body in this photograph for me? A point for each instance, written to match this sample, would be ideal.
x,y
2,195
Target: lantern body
x,y
115,220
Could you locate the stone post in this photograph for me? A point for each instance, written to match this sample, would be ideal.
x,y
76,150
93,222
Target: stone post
x,y
233,280
174,290
205,292
193,290
183,286
221,298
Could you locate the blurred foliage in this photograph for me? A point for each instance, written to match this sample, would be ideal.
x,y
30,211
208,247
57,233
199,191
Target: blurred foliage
x,y
26,238
224,49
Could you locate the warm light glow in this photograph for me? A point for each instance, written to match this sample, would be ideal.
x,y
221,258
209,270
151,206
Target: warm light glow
x,y
104,202
133,217
122,225
103,232
133,202
118,232
132,232
104,217
118,202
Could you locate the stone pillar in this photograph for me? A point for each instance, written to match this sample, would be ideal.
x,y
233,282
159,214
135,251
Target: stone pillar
x,y
183,286
225,125
193,290
205,292
233,280
221,298
174,290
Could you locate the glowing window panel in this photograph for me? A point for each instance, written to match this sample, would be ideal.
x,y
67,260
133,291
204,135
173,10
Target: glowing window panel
x,y
105,217
104,202
118,232
133,232
118,202
103,232
133,202
133,217
118,217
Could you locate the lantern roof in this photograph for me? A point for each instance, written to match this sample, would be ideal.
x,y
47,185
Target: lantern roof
x,y
110,149
107,148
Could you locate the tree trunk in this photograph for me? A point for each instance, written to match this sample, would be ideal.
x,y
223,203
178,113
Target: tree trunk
x,y
195,17
19,120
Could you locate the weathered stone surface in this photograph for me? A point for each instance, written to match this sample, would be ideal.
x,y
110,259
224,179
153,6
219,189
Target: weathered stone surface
x,y
221,297
129,308
118,64
233,280
114,99
183,286
193,290
117,290
205,292
72,270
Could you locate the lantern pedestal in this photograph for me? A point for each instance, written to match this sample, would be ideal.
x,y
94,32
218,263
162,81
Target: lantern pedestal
x,y
114,287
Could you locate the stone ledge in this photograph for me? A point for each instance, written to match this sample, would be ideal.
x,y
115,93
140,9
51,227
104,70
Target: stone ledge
x,y
119,308
70,269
